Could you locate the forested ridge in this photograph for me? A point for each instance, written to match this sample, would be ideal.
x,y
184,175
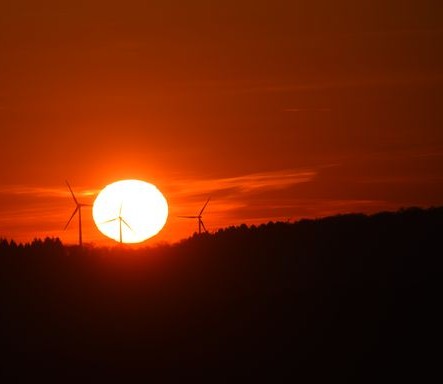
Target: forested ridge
x,y
351,297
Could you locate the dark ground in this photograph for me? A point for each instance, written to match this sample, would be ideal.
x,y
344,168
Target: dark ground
x,y
348,298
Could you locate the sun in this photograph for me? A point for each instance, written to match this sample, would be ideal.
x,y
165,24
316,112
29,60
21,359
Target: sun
x,y
130,211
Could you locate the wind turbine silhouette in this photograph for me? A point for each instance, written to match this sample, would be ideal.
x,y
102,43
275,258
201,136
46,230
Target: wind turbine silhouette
x,y
199,218
78,209
121,221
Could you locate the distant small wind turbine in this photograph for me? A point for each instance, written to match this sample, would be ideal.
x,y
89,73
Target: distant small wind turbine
x,y
78,209
199,218
121,221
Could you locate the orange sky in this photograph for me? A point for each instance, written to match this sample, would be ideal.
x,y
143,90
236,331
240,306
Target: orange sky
x,y
278,109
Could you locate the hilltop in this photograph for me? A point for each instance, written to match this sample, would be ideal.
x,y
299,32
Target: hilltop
x,y
349,297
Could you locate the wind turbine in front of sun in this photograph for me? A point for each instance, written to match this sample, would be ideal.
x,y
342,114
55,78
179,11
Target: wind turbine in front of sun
x,y
121,221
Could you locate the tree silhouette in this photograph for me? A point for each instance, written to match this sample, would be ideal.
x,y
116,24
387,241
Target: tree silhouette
x,y
349,297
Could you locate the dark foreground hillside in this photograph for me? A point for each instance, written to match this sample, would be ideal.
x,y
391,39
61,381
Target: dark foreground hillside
x,y
349,298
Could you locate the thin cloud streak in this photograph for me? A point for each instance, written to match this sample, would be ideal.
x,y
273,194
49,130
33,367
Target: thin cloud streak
x,y
391,80
308,110
43,192
244,184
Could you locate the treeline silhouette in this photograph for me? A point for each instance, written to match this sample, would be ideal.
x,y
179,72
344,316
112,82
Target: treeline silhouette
x,y
353,298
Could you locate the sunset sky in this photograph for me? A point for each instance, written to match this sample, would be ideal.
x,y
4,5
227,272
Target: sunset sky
x,y
279,110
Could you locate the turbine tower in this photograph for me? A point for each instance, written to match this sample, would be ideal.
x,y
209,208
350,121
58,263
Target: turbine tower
x,y
78,209
199,218
121,221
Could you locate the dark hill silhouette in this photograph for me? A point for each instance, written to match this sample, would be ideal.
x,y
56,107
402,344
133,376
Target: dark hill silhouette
x,y
352,298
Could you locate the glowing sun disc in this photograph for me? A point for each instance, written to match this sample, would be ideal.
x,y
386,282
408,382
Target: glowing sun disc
x,y
130,211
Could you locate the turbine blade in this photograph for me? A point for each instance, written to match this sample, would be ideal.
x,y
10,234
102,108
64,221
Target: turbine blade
x,y
72,216
121,207
72,193
124,222
204,206
109,221
188,217
203,225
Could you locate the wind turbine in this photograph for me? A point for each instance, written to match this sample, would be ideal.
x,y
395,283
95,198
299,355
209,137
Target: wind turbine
x,y
78,209
121,221
199,218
